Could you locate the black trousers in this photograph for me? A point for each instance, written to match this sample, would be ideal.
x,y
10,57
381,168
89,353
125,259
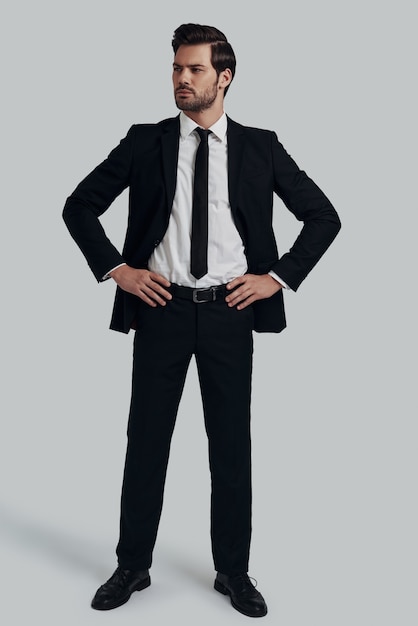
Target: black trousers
x,y
220,337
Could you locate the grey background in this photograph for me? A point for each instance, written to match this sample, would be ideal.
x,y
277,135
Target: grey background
x,y
334,410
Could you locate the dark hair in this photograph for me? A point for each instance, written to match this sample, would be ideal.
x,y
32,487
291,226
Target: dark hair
x,y
223,56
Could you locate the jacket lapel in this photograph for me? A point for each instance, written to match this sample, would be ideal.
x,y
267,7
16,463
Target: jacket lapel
x,y
170,146
236,143
170,149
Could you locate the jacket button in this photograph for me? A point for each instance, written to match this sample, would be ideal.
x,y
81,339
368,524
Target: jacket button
x,y
156,242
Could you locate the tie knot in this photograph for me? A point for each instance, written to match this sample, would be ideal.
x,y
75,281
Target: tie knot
x,y
203,134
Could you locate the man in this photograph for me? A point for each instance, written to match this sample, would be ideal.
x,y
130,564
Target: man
x,y
198,273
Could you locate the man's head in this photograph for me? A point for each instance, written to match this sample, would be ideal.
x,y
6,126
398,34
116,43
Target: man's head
x,y
222,54
203,68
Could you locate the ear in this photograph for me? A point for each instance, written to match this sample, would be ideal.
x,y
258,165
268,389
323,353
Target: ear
x,y
225,78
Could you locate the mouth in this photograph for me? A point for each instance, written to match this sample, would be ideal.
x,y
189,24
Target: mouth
x,y
183,92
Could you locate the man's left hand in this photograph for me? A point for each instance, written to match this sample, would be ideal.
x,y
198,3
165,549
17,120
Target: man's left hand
x,y
251,287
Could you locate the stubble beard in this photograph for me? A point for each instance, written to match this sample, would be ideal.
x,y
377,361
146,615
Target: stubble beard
x,y
200,102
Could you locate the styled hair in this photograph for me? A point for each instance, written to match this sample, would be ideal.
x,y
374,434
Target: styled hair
x,y
222,57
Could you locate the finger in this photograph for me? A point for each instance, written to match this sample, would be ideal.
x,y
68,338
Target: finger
x,y
239,289
245,303
159,279
153,295
236,282
146,299
160,290
238,296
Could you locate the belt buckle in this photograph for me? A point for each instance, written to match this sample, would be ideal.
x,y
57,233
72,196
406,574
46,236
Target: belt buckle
x,y
212,290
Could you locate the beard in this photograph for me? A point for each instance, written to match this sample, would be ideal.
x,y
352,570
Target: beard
x,y
200,102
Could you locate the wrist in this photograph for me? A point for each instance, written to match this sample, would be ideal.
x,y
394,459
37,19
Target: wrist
x,y
117,271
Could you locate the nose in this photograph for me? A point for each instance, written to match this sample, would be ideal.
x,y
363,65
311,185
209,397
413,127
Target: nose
x,y
183,77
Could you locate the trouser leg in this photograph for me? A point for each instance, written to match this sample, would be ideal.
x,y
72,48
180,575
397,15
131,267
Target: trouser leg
x,y
162,352
224,360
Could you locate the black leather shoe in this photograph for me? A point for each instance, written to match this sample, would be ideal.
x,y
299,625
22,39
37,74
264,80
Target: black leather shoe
x,y
119,588
244,596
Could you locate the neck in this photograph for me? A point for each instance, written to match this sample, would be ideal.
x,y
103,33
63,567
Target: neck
x,y
205,119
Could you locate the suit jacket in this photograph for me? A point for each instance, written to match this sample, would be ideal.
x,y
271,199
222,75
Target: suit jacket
x,y
258,166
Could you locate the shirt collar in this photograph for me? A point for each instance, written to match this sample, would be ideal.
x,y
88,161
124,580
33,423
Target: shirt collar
x,y
187,126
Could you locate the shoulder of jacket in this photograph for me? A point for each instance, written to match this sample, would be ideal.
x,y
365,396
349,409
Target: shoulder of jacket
x,y
156,126
250,129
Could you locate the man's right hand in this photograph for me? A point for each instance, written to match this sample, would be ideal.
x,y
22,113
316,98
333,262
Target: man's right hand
x,y
149,286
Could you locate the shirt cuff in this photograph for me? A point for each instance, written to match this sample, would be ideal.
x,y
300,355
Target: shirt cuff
x,y
279,280
106,276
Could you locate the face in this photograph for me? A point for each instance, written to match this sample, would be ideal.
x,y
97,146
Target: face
x,y
196,84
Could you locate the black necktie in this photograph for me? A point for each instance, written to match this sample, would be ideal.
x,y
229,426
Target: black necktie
x,y
199,243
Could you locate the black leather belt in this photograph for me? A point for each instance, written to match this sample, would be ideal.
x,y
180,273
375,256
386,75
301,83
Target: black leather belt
x,y
210,294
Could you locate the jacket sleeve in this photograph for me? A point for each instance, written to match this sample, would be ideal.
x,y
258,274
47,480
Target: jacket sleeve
x,y
310,205
91,198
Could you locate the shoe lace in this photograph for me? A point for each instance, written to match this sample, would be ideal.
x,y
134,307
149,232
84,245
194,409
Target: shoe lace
x,y
245,582
118,579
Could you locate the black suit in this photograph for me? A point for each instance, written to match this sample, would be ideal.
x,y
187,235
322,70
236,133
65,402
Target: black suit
x,y
218,336
258,166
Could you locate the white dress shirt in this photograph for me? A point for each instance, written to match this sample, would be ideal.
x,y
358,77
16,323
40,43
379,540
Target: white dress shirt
x,y
226,256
